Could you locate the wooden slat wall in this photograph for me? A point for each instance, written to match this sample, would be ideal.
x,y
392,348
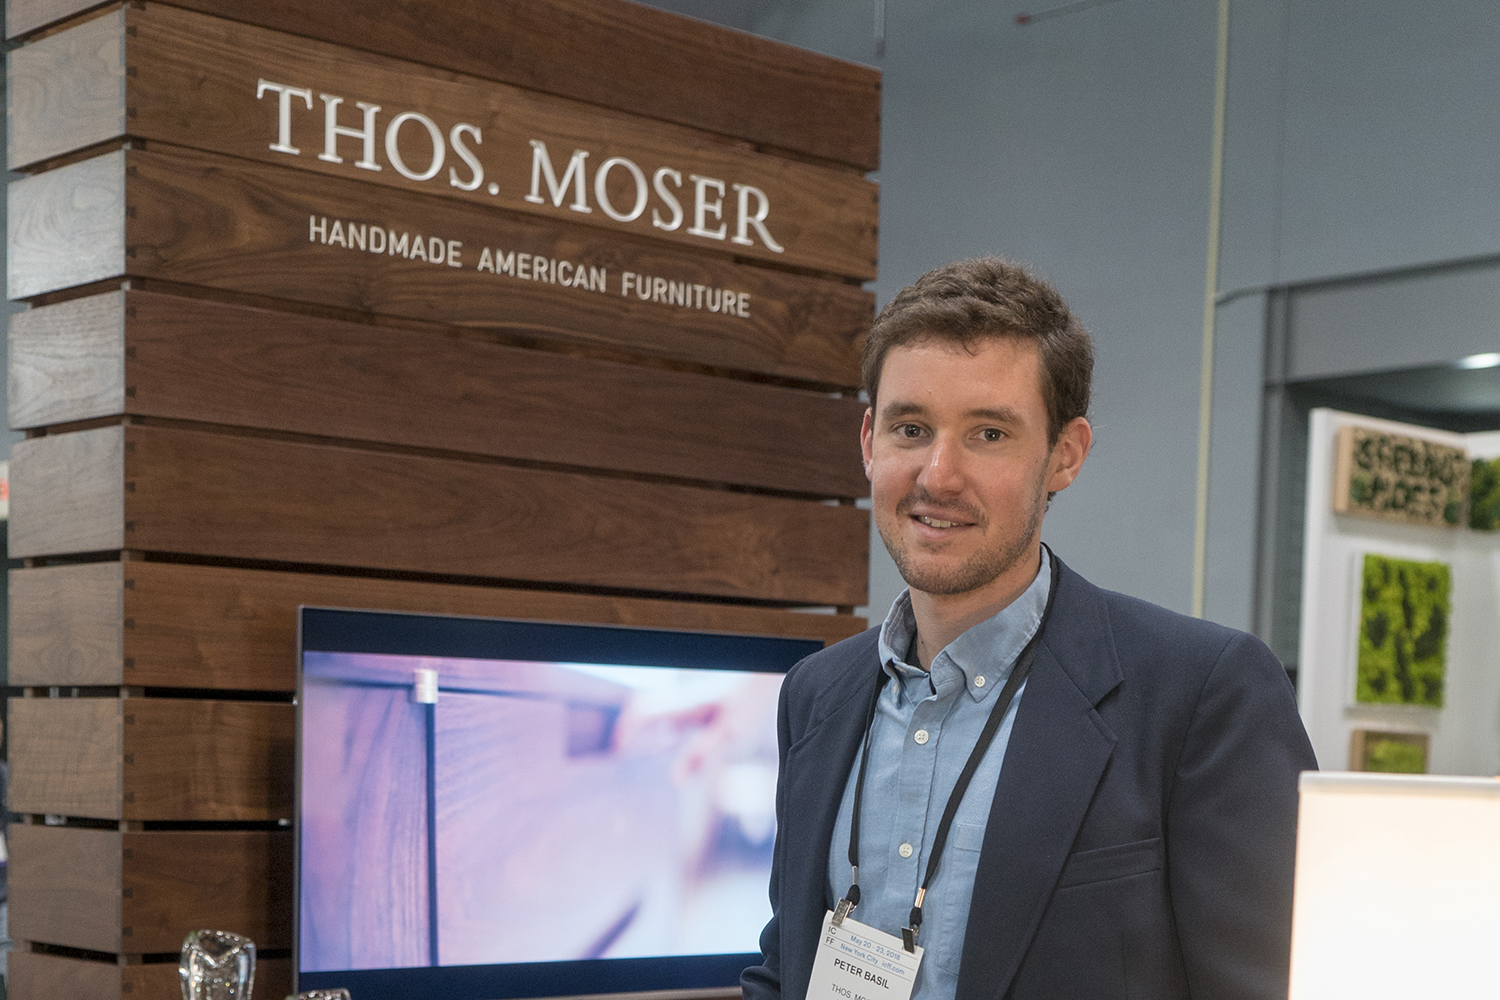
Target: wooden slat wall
x,y
611,53
201,493
154,214
153,355
94,889
54,977
172,625
192,77
235,405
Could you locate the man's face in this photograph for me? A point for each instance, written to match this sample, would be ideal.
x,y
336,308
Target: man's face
x,y
960,466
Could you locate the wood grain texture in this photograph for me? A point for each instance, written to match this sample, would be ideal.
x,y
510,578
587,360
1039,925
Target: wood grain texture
x,y
191,359
236,629
144,892
152,759
364,896
65,886
199,81
67,227
67,493
67,361
67,626
67,91
65,756
207,494
37,976
208,760
606,52
182,204
176,882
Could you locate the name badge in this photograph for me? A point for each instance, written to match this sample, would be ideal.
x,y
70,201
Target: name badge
x,y
857,962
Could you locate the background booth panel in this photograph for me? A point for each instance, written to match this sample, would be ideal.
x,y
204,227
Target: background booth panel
x,y
1461,730
463,356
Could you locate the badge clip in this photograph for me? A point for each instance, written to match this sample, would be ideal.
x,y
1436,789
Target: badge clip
x,y
909,933
841,911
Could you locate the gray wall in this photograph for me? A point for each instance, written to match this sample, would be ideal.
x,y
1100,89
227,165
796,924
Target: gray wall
x,y
1080,145
1361,137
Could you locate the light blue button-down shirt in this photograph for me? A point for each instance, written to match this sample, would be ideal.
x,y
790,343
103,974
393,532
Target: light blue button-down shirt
x,y
925,727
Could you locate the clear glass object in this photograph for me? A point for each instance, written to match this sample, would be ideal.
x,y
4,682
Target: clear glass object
x,y
339,994
217,965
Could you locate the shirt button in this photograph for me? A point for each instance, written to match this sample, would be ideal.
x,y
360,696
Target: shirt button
x,y
921,737
904,850
979,682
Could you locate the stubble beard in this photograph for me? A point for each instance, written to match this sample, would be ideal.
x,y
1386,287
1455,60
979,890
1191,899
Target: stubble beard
x,y
983,566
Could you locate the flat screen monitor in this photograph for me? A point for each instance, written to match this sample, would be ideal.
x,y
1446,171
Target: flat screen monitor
x,y
490,809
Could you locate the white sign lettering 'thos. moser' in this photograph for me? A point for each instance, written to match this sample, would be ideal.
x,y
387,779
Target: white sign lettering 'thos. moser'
x,y
674,199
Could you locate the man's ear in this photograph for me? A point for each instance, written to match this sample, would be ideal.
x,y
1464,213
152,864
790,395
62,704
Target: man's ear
x,y
867,439
1068,454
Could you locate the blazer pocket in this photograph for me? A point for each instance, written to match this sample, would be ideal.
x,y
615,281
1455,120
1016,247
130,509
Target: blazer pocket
x,y
1117,861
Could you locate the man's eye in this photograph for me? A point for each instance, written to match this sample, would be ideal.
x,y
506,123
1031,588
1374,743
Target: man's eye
x,y
909,431
991,434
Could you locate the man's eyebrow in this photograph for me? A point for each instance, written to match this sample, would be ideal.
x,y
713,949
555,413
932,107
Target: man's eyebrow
x,y
998,414
892,411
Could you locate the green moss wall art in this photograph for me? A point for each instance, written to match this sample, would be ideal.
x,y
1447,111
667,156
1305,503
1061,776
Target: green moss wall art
x,y
1484,495
1403,631
1407,480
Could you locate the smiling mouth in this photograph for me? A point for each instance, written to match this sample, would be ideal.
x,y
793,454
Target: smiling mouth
x,y
937,522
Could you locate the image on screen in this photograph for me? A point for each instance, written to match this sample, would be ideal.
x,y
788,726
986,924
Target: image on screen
x,y
466,811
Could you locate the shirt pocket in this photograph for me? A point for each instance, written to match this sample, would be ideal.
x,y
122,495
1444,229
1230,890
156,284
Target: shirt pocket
x,y
1104,864
944,940
966,837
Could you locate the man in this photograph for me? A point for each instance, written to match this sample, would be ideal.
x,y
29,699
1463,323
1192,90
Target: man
x,y
1128,829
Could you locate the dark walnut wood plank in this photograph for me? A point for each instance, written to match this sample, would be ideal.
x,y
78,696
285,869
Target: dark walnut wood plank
x,y
65,886
208,494
67,91
144,892
67,626
65,756
67,493
607,52
236,629
176,882
226,87
152,759
67,361
229,224
40,976
208,760
66,227
191,359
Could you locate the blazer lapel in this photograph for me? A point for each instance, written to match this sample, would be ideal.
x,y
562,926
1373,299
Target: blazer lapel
x,y
817,769
1057,752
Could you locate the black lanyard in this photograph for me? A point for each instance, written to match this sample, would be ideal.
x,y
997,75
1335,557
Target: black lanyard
x,y
986,737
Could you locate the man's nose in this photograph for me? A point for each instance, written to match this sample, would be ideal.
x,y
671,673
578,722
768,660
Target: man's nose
x,y
942,474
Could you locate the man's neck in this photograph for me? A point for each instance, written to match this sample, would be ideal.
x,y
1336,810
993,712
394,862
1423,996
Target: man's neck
x,y
941,618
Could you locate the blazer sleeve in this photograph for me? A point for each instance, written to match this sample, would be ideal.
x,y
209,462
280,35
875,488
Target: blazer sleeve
x,y
1232,827
763,981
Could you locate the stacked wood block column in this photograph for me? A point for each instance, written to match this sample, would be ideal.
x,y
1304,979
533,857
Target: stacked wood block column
x,y
566,327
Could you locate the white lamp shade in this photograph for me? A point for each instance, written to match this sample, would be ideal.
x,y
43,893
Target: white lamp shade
x,y
1397,888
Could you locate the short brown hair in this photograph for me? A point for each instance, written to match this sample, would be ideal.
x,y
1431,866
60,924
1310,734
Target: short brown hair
x,y
970,301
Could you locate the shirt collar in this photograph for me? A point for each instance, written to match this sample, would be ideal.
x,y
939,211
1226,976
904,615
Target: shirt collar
x,y
987,650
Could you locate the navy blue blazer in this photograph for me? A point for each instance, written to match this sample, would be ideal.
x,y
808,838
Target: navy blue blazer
x,y
1144,823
